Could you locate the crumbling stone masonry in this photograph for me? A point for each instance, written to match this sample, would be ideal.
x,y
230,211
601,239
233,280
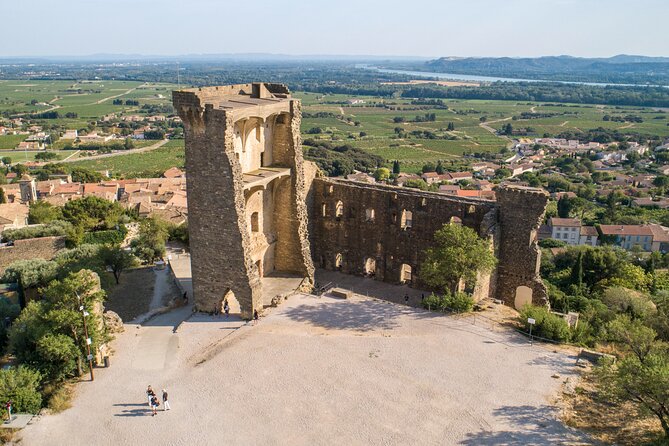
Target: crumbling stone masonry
x,y
254,208
246,190
383,231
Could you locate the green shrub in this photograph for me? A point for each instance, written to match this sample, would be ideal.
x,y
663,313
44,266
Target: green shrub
x,y
20,385
547,325
458,302
55,228
108,237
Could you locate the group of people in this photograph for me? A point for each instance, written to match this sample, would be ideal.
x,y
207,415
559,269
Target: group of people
x,y
154,402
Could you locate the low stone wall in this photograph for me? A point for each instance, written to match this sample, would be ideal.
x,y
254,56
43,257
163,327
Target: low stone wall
x,y
32,248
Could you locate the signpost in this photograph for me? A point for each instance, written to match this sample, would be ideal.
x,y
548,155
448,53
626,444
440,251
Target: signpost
x,y
531,322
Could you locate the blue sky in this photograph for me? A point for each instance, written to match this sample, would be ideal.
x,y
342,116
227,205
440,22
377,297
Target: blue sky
x,y
355,27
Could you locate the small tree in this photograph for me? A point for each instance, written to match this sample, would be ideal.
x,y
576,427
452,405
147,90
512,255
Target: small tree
x,y
564,207
381,174
641,377
43,212
3,197
117,259
396,167
20,386
458,254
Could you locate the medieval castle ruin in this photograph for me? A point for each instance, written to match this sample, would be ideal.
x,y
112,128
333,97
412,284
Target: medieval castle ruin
x,y
257,208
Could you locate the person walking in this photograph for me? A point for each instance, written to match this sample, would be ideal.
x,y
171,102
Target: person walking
x,y
150,394
166,404
226,308
255,317
154,405
185,297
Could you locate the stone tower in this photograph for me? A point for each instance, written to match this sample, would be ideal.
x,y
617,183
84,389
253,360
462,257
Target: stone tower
x,y
28,189
246,191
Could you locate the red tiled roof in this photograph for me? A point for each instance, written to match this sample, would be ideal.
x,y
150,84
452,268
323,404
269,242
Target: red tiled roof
x,y
569,222
625,230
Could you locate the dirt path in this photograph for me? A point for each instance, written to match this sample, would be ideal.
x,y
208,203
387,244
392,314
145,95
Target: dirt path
x,y
626,126
564,123
118,95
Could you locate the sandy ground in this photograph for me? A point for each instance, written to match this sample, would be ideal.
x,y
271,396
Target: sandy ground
x,y
318,371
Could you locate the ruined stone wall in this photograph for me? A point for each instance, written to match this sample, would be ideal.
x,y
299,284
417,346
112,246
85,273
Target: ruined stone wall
x,y
34,248
510,226
520,211
219,239
357,237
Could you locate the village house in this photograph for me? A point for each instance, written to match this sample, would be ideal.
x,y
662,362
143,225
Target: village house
x,y
94,137
361,177
70,135
174,172
628,236
451,189
13,215
662,203
588,236
567,230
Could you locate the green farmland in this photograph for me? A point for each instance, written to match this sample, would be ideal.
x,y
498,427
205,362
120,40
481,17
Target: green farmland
x,y
375,118
370,126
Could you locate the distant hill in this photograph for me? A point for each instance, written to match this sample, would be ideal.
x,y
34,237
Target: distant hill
x,y
617,69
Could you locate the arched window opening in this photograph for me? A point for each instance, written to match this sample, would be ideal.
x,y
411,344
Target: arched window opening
x,y
339,260
324,210
405,273
369,214
339,209
407,219
455,221
370,267
255,227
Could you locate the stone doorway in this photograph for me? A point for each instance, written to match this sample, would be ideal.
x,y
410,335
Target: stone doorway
x,y
523,297
370,267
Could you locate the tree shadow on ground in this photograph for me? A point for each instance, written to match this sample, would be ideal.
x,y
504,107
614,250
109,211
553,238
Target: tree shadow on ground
x,y
529,425
366,315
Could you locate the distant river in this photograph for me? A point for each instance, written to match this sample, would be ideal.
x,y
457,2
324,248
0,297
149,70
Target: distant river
x,y
474,78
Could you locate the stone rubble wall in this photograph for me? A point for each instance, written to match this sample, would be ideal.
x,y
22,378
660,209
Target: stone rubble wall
x,y
357,238
33,248
520,212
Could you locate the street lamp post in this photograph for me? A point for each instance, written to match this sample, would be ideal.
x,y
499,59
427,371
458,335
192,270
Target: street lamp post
x,y
84,313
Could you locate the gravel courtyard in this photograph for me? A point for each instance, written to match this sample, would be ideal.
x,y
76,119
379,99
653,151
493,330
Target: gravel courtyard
x,y
319,371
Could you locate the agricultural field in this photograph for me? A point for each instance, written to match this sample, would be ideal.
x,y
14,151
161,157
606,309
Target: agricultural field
x,y
146,164
90,100
375,118
9,142
370,125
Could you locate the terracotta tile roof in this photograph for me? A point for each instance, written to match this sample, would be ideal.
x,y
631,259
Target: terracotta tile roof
x,y
589,230
660,233
569,222
625,230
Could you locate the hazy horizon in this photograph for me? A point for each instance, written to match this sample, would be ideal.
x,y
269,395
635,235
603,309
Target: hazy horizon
x,y
389,28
